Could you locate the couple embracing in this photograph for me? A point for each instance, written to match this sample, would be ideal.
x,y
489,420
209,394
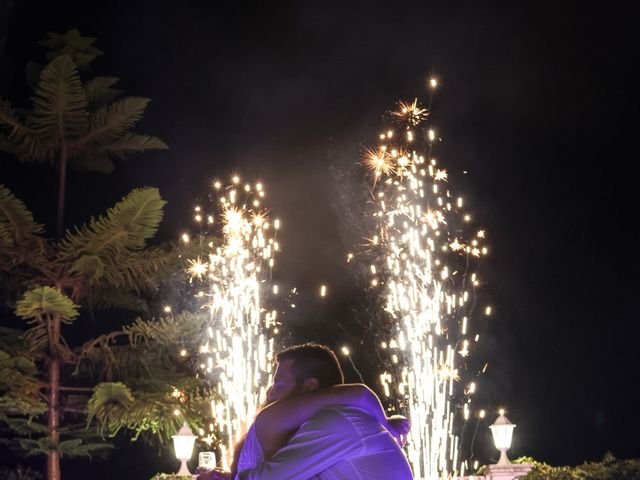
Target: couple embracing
x,y
315,427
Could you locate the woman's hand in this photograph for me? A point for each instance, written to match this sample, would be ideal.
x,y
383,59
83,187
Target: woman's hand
x,y
398,426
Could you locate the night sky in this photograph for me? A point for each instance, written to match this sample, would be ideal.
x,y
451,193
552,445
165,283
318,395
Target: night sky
x,y
538,104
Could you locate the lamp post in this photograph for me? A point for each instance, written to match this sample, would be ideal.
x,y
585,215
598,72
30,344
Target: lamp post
x,y
502,431
183,443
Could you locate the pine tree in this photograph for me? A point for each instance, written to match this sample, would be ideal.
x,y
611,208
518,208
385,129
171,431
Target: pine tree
x,y
130,379
73,123
59,399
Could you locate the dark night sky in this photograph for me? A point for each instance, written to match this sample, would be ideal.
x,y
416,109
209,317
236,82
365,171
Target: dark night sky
x,y
536,103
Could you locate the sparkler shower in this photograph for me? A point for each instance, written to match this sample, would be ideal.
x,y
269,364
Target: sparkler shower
x,y
421,268
424,246
239,347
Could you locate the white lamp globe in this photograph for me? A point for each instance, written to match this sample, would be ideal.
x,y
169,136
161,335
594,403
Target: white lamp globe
x,y
502,431
183,443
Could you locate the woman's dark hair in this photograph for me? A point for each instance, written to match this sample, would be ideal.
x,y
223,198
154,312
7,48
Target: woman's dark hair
x,y
313,360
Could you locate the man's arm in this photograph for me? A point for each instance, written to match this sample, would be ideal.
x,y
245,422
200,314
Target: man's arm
x,y
320,443
276,422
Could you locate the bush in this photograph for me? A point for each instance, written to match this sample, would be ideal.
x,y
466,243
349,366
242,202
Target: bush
x,y
610,468
19,473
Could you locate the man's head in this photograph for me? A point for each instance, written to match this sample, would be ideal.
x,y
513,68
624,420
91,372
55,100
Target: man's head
x,y
303,368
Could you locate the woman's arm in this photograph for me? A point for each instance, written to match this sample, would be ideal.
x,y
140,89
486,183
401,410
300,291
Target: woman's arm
x,y
276,422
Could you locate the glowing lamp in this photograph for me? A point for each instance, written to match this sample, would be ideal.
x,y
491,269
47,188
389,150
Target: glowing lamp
x,y
502,431
183,443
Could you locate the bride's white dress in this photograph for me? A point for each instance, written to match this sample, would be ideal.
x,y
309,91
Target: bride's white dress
x,y
251,455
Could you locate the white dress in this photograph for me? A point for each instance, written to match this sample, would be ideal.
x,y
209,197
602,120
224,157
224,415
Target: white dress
x,y
251,454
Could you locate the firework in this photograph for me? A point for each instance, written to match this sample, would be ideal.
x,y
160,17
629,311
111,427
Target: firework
x,y
410,113
238,351
420,269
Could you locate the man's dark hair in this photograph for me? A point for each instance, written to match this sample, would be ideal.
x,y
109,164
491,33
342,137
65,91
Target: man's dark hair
x,y
313,360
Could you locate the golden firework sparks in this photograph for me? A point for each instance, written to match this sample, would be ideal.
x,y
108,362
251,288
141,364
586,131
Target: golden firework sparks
x,y
197,268
417,274
411,113
379,162
440,175
238,349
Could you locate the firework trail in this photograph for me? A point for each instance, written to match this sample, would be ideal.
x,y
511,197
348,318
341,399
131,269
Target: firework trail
x,y
238,351
419,268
